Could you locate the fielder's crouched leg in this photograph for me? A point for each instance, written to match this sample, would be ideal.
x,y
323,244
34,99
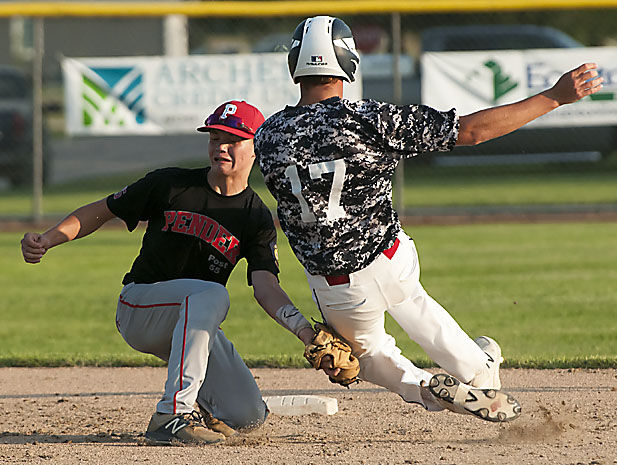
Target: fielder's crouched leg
x,y
229,392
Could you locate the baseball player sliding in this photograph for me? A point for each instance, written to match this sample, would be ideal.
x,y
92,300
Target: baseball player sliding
x,y
201,222
329,163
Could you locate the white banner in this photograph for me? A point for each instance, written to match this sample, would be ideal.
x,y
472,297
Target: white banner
x,y
471,81
166,95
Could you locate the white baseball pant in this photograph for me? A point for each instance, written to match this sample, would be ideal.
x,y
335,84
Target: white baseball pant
x,y
356,309
178,321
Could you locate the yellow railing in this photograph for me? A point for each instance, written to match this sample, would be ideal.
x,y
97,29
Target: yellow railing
x,y
287,8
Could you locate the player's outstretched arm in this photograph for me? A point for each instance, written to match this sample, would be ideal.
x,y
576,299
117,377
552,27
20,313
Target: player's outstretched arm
x,y
83,221
488,124
273,299
278,305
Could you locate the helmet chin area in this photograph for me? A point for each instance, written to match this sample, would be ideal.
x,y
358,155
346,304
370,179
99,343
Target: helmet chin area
x,y
323,46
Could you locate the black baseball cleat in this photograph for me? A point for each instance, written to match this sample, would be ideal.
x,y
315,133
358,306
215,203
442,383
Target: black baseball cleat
x,y
486,404
170,429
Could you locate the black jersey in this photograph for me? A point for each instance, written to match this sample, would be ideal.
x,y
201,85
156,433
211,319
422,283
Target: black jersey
x,y
194,232
329,165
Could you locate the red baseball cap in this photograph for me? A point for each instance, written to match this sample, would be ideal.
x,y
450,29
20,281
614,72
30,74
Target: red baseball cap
x,y
236,117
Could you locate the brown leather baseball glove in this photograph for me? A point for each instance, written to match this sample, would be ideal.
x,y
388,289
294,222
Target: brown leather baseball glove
x,y
327,342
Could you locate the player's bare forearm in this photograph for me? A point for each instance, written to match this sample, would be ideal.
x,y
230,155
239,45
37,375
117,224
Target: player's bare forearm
x,y
268,293
80,223
494,122
271,297
488,124
83,221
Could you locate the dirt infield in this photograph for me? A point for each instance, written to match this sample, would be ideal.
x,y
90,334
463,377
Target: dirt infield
x,y
98,415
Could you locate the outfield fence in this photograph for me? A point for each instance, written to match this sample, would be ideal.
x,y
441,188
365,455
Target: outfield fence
x,y
69,132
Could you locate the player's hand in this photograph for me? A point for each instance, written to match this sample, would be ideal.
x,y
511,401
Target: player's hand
x,y
33,247
576,84
327,365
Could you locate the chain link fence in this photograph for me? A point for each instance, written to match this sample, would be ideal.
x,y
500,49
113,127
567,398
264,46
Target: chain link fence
x,y
574,166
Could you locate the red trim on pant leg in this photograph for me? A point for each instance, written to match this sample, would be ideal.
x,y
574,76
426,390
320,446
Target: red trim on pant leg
x,y
186,319
172,304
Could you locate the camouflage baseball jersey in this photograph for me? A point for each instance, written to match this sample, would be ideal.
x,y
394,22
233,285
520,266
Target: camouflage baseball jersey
x,y
329,165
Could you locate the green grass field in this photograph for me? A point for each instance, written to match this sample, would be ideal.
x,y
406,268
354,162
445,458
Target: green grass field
x,y
424,186
546,292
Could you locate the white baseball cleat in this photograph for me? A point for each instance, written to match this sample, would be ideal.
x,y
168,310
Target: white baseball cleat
x,y
489,378
487,404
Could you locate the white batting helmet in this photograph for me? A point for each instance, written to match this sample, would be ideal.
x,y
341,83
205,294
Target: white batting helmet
x,y
323,46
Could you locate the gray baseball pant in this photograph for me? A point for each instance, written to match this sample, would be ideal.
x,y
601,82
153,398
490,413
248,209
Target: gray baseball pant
x,y
178,321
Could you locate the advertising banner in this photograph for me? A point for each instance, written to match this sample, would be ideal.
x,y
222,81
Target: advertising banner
x,y
167,95
471,81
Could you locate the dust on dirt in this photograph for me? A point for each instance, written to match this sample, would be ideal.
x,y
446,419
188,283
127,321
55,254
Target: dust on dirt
x,y
98,416
541,426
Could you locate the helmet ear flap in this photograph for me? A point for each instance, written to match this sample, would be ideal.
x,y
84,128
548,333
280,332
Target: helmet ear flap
x,y
292,60
294,49
348,61
346,55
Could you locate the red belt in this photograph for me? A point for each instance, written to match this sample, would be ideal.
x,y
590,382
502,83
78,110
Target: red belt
x,y
344,278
